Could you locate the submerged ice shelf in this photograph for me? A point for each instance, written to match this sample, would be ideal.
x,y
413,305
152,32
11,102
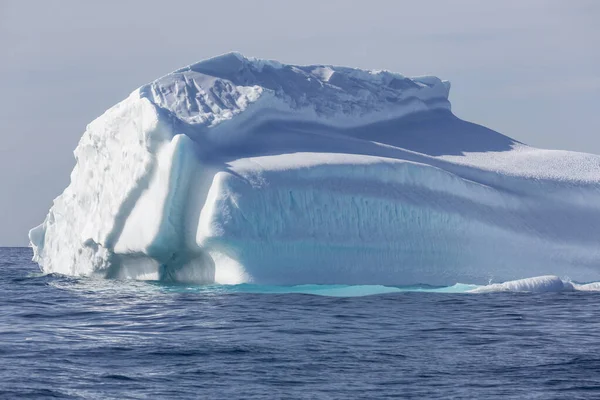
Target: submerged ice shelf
x,y
238,170
540,284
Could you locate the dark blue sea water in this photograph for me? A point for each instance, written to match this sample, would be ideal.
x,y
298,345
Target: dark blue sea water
x,y
62,337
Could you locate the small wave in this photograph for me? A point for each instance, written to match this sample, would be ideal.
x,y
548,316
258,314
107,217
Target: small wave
x,y
538,284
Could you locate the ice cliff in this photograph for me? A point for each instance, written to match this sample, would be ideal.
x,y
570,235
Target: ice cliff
x,y
243,170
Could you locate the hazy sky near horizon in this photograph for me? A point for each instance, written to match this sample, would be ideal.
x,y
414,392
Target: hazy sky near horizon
x,y
529,69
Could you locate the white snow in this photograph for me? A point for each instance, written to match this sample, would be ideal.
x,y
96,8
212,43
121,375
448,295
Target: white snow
x,y
539,284
238,170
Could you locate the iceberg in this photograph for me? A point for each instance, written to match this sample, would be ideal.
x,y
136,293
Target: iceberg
x,y
236,170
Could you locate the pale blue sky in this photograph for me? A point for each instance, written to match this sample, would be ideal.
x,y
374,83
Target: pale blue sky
x,y
529,69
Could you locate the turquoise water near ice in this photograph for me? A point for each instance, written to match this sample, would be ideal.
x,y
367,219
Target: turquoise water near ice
x,y
321,290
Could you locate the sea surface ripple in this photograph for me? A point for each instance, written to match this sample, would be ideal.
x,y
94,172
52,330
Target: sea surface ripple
x,y
71,338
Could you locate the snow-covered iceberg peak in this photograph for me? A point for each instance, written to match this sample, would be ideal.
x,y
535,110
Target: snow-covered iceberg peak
x,y
215,90
237,169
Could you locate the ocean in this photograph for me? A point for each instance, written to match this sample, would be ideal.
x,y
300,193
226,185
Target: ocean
x,y
83,338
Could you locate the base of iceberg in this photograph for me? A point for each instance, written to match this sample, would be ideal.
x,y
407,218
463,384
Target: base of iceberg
x,y
541,284
237,170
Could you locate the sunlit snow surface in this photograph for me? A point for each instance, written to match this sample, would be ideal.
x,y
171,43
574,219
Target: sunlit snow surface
x,y
237,170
